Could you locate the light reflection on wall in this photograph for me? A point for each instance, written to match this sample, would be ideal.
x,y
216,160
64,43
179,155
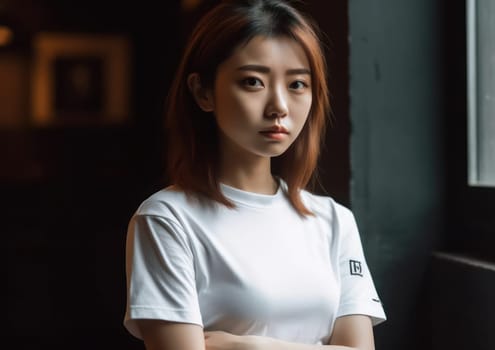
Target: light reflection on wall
x,y
190,5
6,35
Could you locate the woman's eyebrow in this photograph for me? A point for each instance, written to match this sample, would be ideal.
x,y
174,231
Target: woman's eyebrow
x,y
265,69
298,71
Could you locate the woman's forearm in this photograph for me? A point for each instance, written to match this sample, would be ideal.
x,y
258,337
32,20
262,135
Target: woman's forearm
x,y
219,340
266,343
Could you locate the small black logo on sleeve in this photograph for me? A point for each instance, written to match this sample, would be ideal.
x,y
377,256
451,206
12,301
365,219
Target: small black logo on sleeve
x,y
356,268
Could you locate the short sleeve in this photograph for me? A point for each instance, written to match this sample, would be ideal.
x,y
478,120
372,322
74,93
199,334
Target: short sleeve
x,y
160,273
358,292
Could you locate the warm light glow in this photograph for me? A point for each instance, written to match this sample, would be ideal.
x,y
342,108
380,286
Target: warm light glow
x,y
6,35
190,5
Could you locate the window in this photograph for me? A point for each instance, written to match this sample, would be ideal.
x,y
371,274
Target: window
x,y
481,91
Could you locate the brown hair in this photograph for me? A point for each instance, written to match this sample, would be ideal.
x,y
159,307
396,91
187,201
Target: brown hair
x,y
193,155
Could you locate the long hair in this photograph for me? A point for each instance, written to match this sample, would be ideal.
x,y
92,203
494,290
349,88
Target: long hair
x,y
193,155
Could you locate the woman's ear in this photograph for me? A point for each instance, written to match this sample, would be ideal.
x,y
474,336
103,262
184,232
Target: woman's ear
x,y
203,96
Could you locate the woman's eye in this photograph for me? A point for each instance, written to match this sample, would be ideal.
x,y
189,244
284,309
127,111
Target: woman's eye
x,y
252,82
298,85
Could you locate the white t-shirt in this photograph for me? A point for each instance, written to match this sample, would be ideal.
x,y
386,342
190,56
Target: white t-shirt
x,y
258,269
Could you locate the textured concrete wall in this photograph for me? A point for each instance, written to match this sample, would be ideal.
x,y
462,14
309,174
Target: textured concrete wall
x,y
397,180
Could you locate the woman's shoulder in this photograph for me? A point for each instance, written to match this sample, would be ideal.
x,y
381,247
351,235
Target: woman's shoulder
x,y
166,200
325,205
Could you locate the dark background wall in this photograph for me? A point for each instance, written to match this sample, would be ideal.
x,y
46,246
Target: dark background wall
x,y
67,192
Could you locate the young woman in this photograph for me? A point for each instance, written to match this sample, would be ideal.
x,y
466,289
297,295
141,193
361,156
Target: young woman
x,y
236,253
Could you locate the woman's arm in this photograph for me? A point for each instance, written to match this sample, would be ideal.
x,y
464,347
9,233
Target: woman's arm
x,y
354,332
162,335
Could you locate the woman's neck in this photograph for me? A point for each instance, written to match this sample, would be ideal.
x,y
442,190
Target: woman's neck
x,y
252,175
249,184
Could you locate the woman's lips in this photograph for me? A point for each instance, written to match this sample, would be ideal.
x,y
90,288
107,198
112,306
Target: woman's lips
x,y
274,135
275,132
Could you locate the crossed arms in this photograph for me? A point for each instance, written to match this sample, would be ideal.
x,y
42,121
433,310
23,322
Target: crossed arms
x,y
353,332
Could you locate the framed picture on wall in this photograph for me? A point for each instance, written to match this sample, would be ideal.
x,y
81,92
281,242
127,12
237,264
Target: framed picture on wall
x,y
80,79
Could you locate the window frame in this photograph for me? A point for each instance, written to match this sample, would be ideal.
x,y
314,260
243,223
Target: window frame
x,y
469,216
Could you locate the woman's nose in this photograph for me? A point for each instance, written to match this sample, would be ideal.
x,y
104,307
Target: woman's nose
x,y
277,105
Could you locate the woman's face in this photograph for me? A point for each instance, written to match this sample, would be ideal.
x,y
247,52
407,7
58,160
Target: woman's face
x,y
262,97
